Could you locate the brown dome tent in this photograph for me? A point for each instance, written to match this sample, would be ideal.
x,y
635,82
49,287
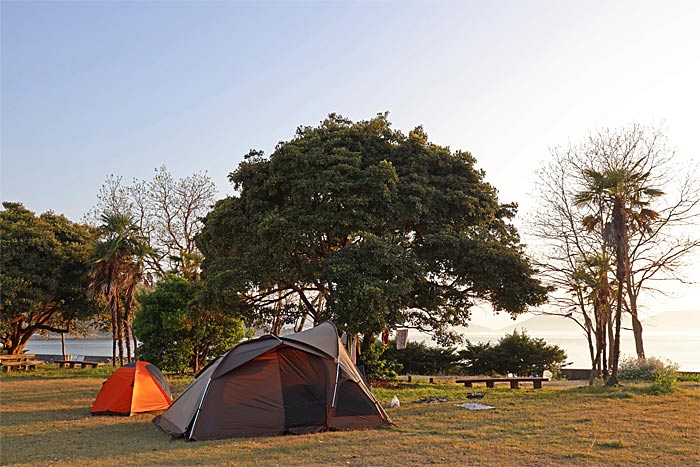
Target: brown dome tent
x,y
134,388
300,383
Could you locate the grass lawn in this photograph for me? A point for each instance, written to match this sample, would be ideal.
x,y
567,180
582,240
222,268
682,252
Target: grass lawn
x,y
45,420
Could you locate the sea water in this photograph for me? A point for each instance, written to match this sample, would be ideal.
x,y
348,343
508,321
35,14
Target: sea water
x,y
682,349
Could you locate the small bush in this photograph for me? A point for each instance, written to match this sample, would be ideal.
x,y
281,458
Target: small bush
x,y
689,377
420,359
376,365
643,370
664,382
515,353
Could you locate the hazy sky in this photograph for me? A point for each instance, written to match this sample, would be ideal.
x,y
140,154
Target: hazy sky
x,y
95,88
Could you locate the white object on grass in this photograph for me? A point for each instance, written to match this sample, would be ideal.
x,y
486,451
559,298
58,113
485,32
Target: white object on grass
x,y
475,406
395,402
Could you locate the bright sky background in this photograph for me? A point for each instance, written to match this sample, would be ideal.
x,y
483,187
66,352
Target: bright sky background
x,y
97,88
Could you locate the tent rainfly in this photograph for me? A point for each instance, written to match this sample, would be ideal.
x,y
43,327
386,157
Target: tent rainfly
x,y
134,388
299,383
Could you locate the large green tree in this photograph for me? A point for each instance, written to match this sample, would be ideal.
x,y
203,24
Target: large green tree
x,y
177,332
367,227
44,273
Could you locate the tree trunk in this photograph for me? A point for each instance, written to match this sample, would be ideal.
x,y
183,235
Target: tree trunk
x,y
114,349
136,342
114,334
611,345
367,340
127,339
612,381
127,328
120,335
302,321
620,229
638,342
636,324
63,345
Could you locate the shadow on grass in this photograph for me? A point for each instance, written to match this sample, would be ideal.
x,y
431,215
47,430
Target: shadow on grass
x,y
23,417
53,372
85,442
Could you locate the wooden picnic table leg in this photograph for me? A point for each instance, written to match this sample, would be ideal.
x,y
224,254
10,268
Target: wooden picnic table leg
x,y
467,384
537,384
514,384
489,384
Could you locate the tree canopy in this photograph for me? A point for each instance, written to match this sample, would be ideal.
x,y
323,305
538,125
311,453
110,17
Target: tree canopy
x,y
177,332
167,213
43,274
365,226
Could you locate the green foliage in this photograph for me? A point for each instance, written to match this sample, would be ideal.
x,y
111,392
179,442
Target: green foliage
x,y
377,366
665,382
117,270
176,332
646,369
420,359
689,377
515,353
43,274
367,227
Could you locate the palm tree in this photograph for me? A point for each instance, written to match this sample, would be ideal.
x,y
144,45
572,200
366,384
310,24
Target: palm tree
x,y
117,269
620,197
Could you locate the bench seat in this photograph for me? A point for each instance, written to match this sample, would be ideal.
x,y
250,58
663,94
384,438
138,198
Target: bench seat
x,y
8,366
75,363
514,381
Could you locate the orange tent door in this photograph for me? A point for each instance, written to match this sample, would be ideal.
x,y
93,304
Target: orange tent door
x,y
116,393
148,395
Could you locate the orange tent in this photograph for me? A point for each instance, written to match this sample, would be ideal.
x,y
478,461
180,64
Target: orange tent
x,y
134,388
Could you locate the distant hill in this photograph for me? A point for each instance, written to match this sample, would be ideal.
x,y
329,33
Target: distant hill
x,y
543,324
473,329
669,322
673,322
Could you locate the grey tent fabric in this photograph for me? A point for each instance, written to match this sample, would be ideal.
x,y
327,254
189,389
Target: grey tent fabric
x,y
324,337
181,412
300,383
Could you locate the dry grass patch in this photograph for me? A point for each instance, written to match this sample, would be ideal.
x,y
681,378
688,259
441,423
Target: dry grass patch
x,y
45,420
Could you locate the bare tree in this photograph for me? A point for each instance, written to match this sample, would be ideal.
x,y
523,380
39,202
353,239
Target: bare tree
x,y
606,195
570,258
169,214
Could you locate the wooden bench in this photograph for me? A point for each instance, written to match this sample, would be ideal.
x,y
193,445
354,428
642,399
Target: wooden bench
x,y
74,363
9,365
514,381
17,358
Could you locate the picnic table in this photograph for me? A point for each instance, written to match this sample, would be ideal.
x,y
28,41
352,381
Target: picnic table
x,y
513,380
77,362
24,361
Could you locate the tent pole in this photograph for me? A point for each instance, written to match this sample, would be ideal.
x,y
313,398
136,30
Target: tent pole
x,y
199,408
337,375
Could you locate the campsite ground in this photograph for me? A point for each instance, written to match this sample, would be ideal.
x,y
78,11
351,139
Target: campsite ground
x,y
45,420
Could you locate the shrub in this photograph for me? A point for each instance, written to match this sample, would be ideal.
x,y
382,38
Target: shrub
x,y
515,353
176,332
376,366
631,368
689,377
664,382
419,359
